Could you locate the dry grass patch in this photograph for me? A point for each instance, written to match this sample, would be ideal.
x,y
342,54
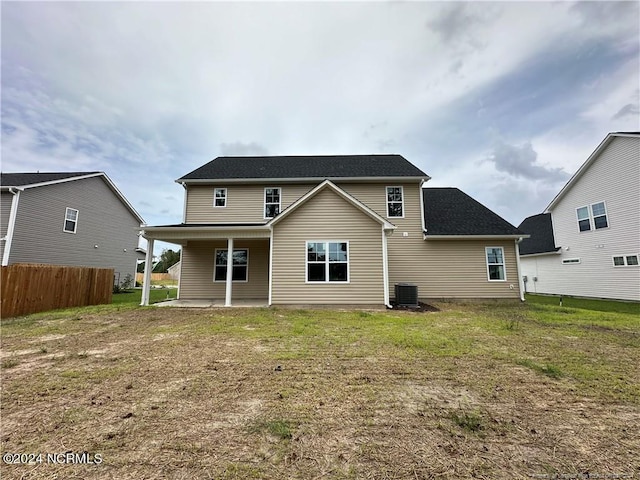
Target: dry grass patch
x,y
469,391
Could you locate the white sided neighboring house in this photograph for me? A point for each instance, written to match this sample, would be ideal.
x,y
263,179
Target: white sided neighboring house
x,y
587,241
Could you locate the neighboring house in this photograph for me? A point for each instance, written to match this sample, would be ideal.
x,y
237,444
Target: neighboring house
x,y
334,230
587,241
71,218
174,271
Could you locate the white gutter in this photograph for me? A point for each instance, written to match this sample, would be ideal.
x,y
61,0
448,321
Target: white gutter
x,y
385,268
11,225
229,181
555,252
474,237
520,279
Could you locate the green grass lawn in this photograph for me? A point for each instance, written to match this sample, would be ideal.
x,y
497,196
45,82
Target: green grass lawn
x,y
155,295
475,390
586,303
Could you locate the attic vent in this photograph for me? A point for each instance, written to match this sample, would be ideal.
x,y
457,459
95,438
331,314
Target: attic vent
x,y
406,294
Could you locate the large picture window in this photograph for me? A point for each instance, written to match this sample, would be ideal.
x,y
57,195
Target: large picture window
x,y
271,202
240,265
327,262
70,220
395,202
495,264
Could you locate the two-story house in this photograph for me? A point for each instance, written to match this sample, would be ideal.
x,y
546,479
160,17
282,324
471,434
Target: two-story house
x,y
334,230
587,241
68,218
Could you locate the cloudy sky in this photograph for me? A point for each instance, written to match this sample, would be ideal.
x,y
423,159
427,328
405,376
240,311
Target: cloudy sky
x,y
503,100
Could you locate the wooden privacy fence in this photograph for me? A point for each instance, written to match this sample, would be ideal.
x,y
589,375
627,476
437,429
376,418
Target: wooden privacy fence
x,y
31,288
155,277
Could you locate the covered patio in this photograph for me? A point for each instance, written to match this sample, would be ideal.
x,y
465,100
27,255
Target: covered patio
x,y
205,279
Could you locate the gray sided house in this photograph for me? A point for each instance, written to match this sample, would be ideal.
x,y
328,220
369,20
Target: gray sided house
x,y
587,241
341,229
70,218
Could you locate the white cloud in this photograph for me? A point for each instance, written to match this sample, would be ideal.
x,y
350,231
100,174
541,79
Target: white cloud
x,y
151,91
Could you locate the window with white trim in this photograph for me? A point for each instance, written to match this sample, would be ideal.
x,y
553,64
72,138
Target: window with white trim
x,y
70,220
240,265
495,264
570,261
327,262
625,261
593,216
271,202
395,202
219,197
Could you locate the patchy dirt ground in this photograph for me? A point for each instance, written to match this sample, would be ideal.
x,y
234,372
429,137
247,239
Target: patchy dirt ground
x,y
203,394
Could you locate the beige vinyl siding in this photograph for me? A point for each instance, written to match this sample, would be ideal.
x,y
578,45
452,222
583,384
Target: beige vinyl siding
x,y
613,178
245,203
457,269
327,217
196,280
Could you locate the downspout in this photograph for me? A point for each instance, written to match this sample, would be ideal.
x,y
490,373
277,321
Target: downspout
x,y
184,208
520,279
424,227
270,263
385,268
8,239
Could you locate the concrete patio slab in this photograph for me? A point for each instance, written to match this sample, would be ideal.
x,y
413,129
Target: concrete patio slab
x,y
213,303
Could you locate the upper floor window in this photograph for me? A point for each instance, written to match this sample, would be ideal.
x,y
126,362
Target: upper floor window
x,y
395,202
625,261
495,264
327,262
220,197
592,217
271,202
70,220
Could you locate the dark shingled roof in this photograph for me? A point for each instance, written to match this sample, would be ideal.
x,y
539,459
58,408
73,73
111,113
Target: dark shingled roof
x,y
541,231
312,166
22,179
450,211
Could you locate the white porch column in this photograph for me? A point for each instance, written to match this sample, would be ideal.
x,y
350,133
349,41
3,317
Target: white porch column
x,y
227,298
148,268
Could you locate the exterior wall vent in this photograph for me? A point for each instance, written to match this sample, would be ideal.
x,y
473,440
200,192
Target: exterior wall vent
x,y
406,294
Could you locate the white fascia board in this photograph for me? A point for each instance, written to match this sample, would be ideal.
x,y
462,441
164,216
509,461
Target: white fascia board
x,y
349,198
123,199
62,180
585,166
8,239
473,237
225,181
110,184
527,255
208,228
